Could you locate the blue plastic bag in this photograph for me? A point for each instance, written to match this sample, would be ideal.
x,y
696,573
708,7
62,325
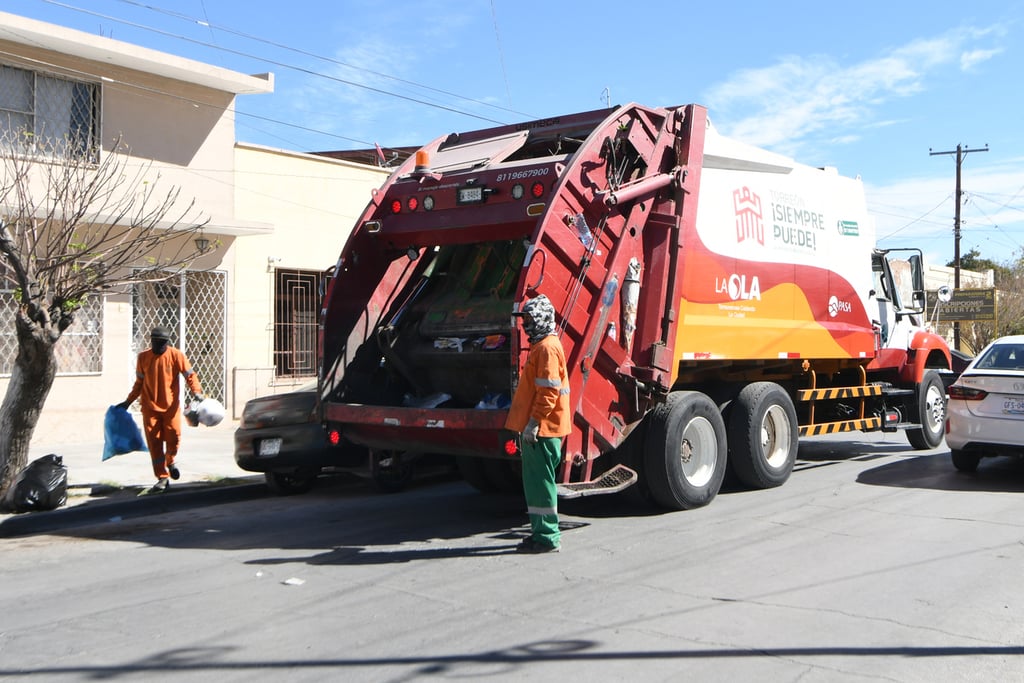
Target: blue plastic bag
x,y
120,433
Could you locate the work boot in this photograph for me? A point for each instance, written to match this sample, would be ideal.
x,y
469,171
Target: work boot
x,y
532,547
160,486
175,474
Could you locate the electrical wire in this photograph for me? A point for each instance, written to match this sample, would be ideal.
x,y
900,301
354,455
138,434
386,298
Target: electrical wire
x,y
284,65
314,55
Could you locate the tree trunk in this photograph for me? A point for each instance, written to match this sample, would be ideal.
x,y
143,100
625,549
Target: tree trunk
x,y
31,379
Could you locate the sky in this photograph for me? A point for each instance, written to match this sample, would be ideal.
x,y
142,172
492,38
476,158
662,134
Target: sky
x,y
879,90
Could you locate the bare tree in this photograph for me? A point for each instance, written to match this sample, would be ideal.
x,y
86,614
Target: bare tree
x,y
73,225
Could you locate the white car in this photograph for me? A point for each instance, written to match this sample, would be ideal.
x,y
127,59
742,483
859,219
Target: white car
x,y
985,415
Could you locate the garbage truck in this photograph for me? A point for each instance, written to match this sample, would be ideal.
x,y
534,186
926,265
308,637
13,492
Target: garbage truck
x,y
716,302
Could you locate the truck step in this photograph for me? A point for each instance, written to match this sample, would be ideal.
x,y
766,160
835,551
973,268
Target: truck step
x,y
612,481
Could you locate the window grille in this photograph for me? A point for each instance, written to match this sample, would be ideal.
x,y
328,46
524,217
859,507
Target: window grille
x,y
79,350
298,295
48,115
193,306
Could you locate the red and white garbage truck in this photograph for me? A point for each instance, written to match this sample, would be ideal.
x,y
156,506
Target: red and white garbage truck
x,y
716,301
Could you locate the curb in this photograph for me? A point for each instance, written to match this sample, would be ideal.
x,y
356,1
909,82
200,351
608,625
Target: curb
x,y
115,509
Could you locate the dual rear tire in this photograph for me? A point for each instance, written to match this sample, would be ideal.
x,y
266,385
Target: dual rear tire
x,y
689,444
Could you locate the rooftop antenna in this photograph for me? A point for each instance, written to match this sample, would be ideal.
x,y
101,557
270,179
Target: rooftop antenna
x,y
607,95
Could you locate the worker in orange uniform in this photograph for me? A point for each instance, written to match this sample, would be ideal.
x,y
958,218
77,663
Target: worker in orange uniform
x,y
158,391
540,411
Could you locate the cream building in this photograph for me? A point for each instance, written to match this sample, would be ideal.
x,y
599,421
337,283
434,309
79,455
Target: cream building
x,y
245,314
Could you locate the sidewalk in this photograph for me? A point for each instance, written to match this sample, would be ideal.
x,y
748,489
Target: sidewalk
x,y
205,459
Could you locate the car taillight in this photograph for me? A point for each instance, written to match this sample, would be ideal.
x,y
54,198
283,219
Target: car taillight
x,y
334,436
966,393
511,447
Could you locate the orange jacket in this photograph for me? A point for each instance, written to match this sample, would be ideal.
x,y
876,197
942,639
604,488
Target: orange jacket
x,y
156,380
543,391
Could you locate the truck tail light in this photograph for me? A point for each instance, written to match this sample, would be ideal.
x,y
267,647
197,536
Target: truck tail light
x,y
334,437
511,447
412,203
963,393
396,206
537,190
890,418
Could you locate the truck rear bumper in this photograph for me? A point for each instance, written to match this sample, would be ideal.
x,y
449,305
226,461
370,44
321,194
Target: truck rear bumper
x,y
424,430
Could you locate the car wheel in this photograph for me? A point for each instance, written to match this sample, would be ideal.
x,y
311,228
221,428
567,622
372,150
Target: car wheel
x,y
931,413
391,471
291,483
964,461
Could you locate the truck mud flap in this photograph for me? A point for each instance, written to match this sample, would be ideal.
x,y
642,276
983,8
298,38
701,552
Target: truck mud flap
x,y
616,479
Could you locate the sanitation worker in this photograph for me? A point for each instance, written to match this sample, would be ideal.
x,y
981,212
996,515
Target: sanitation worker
x,y
158,390
540,412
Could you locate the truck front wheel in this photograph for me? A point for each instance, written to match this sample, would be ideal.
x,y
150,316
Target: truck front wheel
x,y
931,413
685,451
762,435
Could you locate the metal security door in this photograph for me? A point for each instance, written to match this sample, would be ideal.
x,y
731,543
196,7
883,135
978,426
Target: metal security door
x,y
192,305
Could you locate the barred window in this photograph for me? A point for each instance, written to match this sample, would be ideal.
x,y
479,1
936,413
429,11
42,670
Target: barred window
x,y
79,351
48,115
298,296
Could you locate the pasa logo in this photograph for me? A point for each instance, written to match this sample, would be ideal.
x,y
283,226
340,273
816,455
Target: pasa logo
x,y
737,287
835,306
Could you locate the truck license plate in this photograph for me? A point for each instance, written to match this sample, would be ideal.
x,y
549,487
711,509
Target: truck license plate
x,y
1014,406
269,447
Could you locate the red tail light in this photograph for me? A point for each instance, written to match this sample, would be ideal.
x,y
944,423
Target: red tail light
x,y
334,436
963,393
537,190
511,447
396,206
413,203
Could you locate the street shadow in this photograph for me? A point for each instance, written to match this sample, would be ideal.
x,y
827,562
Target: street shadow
x,y
517,660
1000,474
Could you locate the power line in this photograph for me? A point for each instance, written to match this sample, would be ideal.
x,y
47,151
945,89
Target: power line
x,y
331,60
284,65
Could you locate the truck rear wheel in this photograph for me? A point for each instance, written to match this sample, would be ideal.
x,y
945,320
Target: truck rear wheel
x,y
762,435
685,451
931,413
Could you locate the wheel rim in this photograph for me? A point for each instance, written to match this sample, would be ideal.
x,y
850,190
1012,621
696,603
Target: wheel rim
x,y
935,409
698,451
776,437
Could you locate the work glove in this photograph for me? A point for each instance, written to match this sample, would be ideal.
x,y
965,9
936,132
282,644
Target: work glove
x,y
531,430
123,405
200,397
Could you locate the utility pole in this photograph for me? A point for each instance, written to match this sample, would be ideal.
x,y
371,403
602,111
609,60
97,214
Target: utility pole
x,y
960,153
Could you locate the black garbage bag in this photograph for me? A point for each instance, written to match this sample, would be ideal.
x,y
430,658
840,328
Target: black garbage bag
x,y
42,485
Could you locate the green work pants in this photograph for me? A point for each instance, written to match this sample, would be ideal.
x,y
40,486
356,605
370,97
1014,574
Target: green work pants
x,y
540,465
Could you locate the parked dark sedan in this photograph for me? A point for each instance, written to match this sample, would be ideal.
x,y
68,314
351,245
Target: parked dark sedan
x,y
282,437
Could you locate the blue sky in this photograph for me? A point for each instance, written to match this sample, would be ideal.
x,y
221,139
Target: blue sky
x,y
868,87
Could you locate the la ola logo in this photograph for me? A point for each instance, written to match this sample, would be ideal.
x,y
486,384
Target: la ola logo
x,y
738,287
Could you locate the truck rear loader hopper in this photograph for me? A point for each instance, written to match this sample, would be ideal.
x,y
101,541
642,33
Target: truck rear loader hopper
x,y
715,302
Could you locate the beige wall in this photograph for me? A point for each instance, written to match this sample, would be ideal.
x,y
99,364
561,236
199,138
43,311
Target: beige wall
x,y
312,203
